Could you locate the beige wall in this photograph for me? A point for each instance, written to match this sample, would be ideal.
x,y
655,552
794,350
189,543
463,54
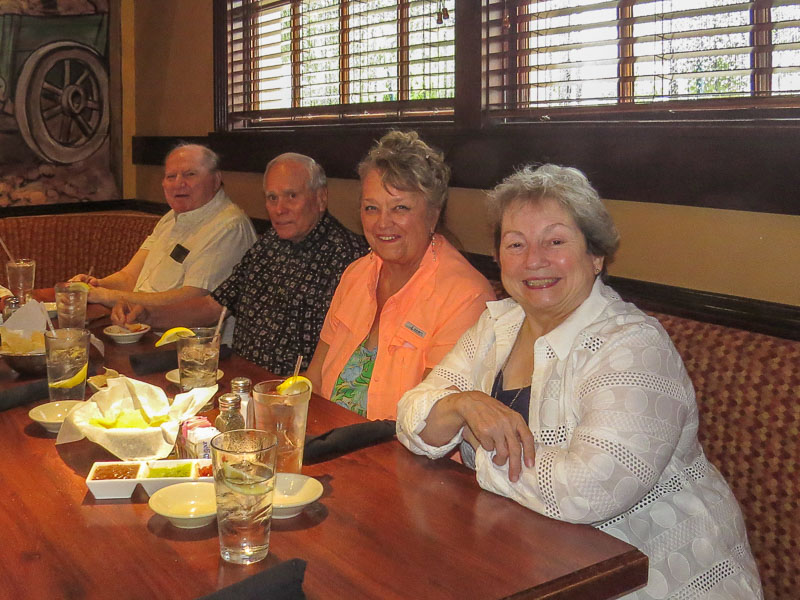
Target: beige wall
x,y
745,254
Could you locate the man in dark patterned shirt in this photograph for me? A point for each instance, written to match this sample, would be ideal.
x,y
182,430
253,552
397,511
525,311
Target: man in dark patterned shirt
x,y
281,289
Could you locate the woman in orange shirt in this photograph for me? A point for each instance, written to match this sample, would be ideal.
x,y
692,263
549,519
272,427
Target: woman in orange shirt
x,y
398,310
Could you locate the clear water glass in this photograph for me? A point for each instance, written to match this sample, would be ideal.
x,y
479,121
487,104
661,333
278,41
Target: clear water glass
x,y
285,415
244,480
67,363
21,275
71,304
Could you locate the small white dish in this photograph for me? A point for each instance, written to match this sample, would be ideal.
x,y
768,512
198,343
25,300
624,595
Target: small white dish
x,y
175,377
293,492
152,484
125,475
121,335
115,486
52,310
98,382
51,415
187,505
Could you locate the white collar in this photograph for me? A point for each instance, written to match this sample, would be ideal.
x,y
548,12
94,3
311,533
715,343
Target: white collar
x,y
507,311
198,216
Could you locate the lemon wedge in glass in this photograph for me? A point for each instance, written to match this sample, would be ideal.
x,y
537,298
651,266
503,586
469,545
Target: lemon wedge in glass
x,y
71,382
171,335
80,285
296,384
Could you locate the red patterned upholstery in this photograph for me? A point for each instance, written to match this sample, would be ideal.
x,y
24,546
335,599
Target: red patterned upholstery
x,y
64,245
748,393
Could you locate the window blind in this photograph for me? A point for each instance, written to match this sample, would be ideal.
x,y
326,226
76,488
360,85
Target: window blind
x,y
626,53
339,60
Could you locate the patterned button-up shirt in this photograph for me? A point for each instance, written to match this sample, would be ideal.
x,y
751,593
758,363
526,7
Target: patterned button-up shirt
x,y
281,290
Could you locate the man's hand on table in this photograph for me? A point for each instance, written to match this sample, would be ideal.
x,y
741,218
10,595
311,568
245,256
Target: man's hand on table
x,y
125,313
83,278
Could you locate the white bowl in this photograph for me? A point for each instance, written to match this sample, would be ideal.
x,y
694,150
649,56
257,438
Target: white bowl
x,y
113,488
152,484
123,488
174,376
293,492
122,336
52,415
187,505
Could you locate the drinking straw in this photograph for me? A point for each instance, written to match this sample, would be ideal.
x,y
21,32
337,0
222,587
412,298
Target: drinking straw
x,y
46,314
219,323
89,273
10,256
297,365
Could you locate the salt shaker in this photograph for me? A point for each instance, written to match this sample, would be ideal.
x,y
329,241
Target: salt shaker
x,y
229,417
10,307
242,387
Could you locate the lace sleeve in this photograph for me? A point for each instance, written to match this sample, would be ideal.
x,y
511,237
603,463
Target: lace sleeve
x,y
456,370
630,400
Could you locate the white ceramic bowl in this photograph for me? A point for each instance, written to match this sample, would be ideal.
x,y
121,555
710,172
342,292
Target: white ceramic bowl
x,y
187,505
293,492
122,336
52,415
103,489
174,376
152,484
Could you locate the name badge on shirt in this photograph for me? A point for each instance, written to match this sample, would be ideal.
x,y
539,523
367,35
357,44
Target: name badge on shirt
x,y
411,327
179,253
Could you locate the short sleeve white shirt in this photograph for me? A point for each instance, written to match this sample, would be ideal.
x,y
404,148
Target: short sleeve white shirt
x,y
198,248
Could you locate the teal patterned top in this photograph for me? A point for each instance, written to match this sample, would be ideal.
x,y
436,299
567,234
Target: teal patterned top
x,y
352,385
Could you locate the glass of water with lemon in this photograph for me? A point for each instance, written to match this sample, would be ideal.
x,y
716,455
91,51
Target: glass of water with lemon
x,y
244,481
67,363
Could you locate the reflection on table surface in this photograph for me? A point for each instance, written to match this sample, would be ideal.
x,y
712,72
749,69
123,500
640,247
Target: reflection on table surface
x,y
388,525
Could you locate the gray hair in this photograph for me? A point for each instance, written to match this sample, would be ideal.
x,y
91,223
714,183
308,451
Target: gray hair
x,y
316,174
572,190
209,157
407,163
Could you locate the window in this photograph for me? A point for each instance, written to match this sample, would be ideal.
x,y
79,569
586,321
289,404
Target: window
x,y
338,61
631,54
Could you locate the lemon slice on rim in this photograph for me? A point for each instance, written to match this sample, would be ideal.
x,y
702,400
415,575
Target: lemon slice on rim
x,y
71,382
81,285
171,335
293,385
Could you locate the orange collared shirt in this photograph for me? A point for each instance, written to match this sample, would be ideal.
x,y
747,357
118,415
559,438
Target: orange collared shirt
x,y
418,325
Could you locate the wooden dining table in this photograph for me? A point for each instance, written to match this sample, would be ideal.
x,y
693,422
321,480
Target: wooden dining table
x,y
389,524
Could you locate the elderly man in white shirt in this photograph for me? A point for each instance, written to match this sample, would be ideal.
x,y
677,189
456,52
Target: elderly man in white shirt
x,y
193,248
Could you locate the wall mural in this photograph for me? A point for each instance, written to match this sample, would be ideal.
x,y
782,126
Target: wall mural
x,y
54,102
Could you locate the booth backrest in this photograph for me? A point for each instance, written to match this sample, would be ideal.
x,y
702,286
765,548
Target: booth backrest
x,y
66,244
748,394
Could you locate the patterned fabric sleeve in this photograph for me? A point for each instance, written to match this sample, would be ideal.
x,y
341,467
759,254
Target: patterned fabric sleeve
x,y
631,404
455,370
227,293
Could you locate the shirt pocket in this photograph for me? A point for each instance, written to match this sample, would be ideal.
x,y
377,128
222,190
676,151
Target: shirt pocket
x,y
167,275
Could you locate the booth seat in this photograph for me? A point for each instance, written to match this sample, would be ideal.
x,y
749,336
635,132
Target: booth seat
x,y
66,244
748,393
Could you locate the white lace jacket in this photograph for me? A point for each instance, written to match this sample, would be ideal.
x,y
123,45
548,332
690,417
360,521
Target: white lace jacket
x,y
615,421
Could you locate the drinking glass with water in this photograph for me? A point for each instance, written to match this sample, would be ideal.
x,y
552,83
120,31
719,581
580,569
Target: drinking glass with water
x,y
244,480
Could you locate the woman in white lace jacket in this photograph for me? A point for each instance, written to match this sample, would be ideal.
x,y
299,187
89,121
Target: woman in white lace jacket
x,y
576,404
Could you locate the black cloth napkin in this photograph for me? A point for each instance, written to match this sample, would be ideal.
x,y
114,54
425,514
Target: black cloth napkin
x,y
161,361
25,392
284,581
349,438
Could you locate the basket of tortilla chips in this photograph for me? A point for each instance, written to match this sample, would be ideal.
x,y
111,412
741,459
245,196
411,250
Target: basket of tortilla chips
x,y
132,419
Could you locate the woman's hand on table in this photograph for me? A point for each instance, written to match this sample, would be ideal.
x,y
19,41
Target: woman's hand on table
x,y
487,422
125,313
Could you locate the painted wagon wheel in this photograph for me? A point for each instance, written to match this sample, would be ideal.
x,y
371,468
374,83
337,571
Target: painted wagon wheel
x,y
62,103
